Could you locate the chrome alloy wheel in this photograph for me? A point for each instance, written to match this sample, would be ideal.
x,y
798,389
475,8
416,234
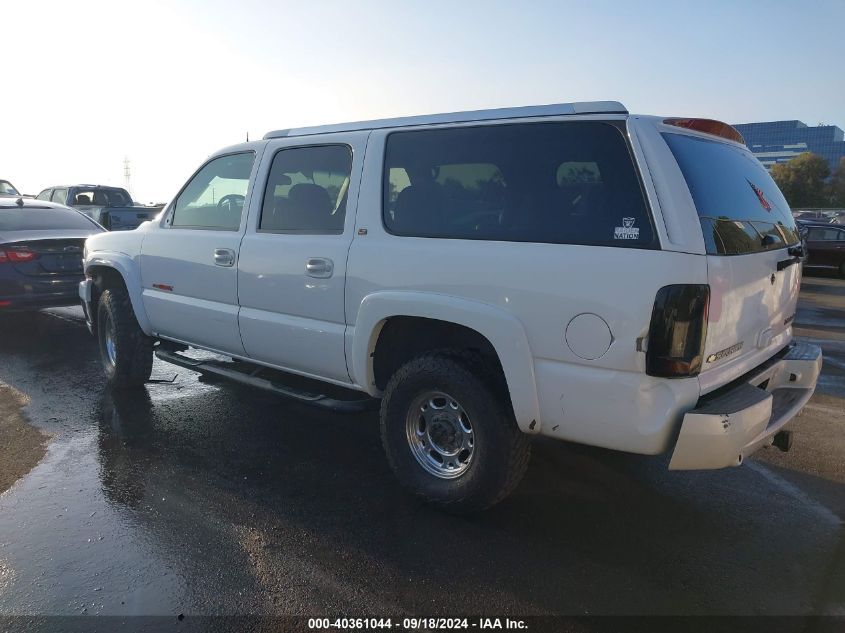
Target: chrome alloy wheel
x,y
111,352
440,435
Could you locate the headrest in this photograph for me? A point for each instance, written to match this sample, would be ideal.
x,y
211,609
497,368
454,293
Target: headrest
x,y
310,197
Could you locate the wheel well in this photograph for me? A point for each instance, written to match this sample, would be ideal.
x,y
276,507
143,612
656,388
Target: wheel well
x,y
403,337
104,278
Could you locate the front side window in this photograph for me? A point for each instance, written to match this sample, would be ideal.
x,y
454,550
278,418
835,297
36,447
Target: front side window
x,y
214,197
560,183
6,189
60,196
307,190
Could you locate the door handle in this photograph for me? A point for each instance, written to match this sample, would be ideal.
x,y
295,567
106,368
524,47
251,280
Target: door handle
x,y
224,257
319,267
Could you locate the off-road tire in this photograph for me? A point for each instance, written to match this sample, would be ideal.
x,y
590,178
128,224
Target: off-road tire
x,y
502,451
133,350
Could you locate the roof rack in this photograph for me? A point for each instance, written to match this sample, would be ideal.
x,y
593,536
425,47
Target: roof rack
x,y
558,109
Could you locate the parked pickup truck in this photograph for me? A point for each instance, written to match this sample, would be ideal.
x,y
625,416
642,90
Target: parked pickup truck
x,y
570,271
112,207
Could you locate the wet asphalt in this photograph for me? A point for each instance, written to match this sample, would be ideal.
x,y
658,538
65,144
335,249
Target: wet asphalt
x,y
196,498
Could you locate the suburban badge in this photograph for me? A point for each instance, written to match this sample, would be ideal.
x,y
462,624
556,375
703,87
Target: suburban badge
x,y
728,351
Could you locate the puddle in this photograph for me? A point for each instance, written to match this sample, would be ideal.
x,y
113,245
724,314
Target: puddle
x,y
21,445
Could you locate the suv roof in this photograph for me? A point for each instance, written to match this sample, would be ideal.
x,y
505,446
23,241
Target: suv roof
x,y
581,107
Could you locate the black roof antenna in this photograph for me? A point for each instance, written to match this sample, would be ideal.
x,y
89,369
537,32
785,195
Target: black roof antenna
x,y
247,137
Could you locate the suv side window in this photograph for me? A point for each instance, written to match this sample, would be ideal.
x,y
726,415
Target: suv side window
x,y
44,195
214,197
559,183
307,190
60,196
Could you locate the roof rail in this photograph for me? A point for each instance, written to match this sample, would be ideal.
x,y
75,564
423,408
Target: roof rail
x,y
584,107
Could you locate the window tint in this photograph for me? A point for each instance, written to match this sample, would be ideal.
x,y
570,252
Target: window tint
x,y
44,219
562,183
214,197
307,190
740,207
59,195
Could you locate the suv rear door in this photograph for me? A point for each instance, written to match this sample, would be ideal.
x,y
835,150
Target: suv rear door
x,y
292,267
748,230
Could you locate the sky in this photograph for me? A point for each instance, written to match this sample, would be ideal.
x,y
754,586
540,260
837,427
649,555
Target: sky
x,y
165,83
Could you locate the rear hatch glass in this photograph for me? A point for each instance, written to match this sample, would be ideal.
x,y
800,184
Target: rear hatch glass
x,y
747,228
740,207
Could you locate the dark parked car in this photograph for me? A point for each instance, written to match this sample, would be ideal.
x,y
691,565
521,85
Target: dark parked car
x,y
825,245
41,246
112,207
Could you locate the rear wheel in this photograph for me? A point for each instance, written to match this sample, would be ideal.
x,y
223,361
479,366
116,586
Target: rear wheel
x,y
125,351
450,438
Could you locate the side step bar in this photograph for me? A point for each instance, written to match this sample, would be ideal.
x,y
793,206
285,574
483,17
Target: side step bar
x,y
248,374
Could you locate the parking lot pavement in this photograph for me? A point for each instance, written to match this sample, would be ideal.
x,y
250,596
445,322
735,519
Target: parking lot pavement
x,y
215,499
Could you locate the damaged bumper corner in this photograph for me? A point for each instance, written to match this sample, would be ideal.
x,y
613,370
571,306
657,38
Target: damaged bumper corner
x,y
728,426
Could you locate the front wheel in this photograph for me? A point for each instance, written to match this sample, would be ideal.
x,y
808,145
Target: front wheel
x,y
125,351
450,438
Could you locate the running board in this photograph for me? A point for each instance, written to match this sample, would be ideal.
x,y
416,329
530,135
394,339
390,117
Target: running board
x,y
248,374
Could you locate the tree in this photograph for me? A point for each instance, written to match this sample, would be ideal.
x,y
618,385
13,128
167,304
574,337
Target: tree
x,y
836,186
802,180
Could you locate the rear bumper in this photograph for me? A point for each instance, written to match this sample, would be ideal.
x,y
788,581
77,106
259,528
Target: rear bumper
x,y
27,303
27,294
730,424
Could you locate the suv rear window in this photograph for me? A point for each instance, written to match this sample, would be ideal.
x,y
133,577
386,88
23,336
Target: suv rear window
x,y
559,183
102,197
740,207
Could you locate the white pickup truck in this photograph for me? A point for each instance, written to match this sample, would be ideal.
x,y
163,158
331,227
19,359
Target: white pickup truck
x,y
571,271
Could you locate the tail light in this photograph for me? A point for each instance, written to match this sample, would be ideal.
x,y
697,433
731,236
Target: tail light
x,y
677,331
708,126
17,256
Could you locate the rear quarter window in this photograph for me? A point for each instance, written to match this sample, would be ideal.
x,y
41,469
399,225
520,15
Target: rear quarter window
x,y
560,183
740,207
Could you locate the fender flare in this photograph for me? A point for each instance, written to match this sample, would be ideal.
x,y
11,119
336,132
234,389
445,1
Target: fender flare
x,y
504,332
128,269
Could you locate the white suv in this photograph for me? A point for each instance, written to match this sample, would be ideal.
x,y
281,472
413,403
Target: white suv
x,y
569,270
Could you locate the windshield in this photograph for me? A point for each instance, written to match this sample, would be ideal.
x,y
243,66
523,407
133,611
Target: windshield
x,y
740,207
6,189
44,219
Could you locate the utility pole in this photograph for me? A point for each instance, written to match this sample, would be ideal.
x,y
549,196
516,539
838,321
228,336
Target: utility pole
x,y
127,176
